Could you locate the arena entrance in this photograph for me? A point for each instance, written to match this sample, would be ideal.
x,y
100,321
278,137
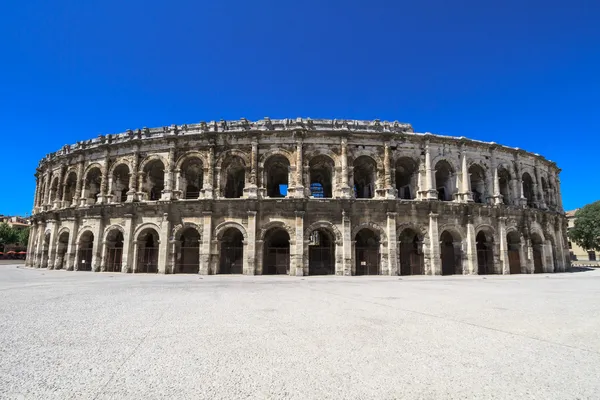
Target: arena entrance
x,y
450,255
147,260
367,253
321,253
485,253
188,261
114,251
232,252
537,245
514,252
411,254
276,260
61,250
86,246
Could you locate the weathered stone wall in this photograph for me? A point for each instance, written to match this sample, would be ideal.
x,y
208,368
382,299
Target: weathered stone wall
x,y
380,177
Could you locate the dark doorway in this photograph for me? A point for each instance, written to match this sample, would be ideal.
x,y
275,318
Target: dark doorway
x,y
537,247
367,253
232,252
411,254
114,251
485,254
514,252
188,261
148,251
448,254
276,260
321,253
86,245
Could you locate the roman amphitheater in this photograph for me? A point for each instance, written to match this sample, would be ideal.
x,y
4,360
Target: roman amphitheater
x,y
298,197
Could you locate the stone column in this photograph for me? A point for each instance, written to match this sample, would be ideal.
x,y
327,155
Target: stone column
x,y
72,246
177,191
163,246
529,260
103,196
471,267
30,257
467,195
57,203
250,256
540,189
133,177
78,183
435,265
53,245
135,258
390,191
48,185
141,195
206,243
40,244
392,248
498,198
430,192
346,191
209,175
559,196
127,257
98,244
167,193
346,245
251,191
504,261
549,259
298,257
299,190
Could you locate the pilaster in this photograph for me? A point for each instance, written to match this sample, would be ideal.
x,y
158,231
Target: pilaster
x,y
471,267
163,247
392,247
298,257
250,256
435,262
345,190
206,243
347,245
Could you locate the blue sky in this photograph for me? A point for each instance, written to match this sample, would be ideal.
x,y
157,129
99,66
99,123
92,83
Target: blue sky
x,y
522,73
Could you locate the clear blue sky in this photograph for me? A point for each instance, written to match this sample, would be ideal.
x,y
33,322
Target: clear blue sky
x,y
524,73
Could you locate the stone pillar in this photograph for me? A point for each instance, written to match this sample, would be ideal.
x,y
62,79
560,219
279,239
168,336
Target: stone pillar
x,y
72,246
78,183
163,246
549,259
133,177
56,201
98,244
30,257
435,264
167,193
346,191
83,195
529,260
390,191
559,196
471,267
299,190
47,193
40,244
298,257
135,258
466,194
103,196
392,248
141,195
103,250
430,193
540,189
251,190
206,243
250,256
177,191
346,245
209,175
497,198
504,261
127,257
53,245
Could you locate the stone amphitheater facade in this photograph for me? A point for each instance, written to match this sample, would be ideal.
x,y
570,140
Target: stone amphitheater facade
x,y
298,197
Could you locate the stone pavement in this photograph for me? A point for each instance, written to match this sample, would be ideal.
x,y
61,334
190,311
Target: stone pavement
x,y
112,336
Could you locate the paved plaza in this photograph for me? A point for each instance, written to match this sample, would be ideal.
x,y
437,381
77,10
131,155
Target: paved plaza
x,y
113,336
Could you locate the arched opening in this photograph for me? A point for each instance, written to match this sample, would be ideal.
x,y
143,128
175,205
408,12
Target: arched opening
x,y
528,189
513,241
477,177
321,169
61,250
235,177
411,253
70,188
504,179
192,178
485,253
45,250
444,180
147,244
120,183
114,251
85,252
276,173
546,191
365,171
450,253
537,245
154,179
232,252
321,252
93,181
367,252
54,192
276,258
406,177
188,260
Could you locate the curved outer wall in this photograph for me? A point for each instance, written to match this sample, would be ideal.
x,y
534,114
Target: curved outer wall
x,y
383,199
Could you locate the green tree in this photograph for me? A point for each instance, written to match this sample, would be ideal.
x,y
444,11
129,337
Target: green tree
x,y
23,236
586,232
7,235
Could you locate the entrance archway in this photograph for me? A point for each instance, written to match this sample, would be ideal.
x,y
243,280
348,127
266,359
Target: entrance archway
x,y
114,251
537,245
232,252
276,258
450,253
86,245
321,252
411,253
147,243
367,252
188,260
513,241
61,250
485,253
